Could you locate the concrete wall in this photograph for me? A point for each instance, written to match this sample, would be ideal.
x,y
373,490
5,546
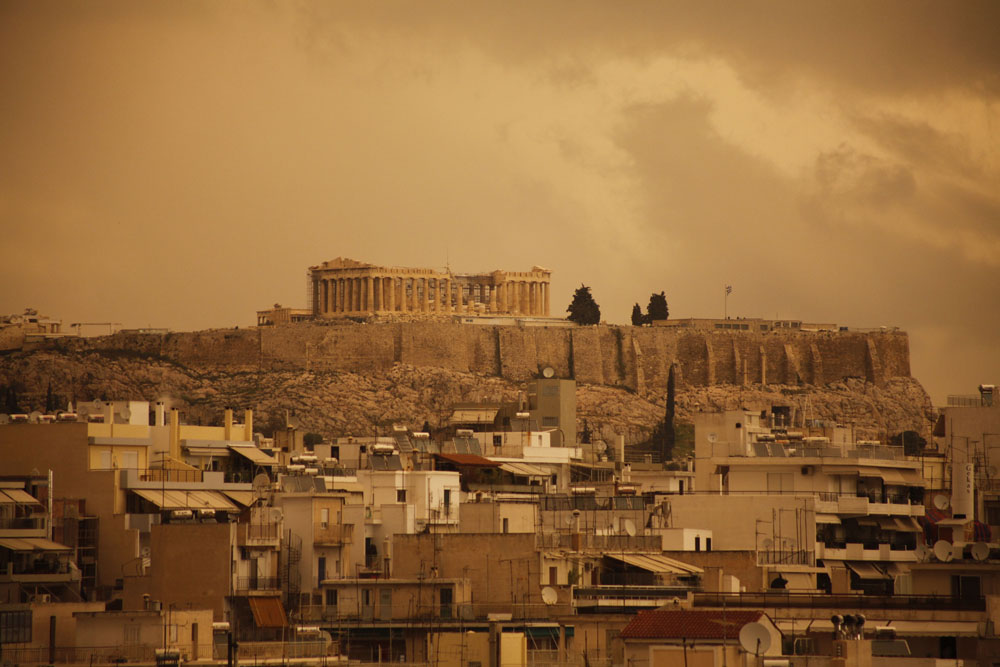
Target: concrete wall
x,y
638,358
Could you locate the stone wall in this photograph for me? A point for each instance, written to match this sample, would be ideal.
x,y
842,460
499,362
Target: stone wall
x,y
635,358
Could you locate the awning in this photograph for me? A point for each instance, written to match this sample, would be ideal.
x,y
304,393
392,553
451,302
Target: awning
x,y
5,499
867,570
268,612
172,499
524,470
257,456
207,451
244,498
827,518
21,497
655,563
907,524
468,460
474,416
897,476
31,544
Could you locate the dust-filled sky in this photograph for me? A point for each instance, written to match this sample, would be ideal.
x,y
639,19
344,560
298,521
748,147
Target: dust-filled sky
x,y
181,164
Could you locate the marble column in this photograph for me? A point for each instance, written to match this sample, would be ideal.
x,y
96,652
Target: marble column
x,y
447,295
458,297
493,298
545,300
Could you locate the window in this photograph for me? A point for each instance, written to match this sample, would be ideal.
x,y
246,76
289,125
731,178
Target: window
x,y
321,568
105,460
129,460
697,543
400,495
506,525
15,627
708,544
447,497
992,508
331,598
324,517
498,441
553,575
550,421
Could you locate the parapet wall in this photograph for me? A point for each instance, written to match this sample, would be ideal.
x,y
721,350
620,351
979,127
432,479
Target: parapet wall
x,y
638,358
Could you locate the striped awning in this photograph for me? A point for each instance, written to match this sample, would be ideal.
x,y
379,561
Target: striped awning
x,y
656,563
172,499
268,612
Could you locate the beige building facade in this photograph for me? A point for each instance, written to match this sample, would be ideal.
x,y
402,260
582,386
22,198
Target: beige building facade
x,y
343,287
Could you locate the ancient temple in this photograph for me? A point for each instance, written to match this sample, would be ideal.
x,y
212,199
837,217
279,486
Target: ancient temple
x,y
343,287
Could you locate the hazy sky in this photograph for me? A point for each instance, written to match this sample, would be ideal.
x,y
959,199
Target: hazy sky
x,y
181,164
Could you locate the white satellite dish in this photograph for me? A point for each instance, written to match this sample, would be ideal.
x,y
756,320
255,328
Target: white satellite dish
x,y
712,437
755,639
943,551
549,595
941,501
261,485
125,413
922,553
980,551
569,520
629,527
548,372
35,416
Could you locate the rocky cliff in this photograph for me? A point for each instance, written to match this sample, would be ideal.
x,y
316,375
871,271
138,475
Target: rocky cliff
x,y
359,378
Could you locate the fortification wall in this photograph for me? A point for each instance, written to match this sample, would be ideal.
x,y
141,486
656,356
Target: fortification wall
x,y
636,358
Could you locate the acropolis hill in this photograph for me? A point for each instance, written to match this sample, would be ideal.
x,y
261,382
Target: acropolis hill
x,y
343,377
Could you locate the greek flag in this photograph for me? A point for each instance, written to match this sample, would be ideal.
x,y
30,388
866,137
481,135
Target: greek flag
x,y
729,289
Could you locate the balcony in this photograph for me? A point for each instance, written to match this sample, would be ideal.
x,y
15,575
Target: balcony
x,y
252,585
603,543
333,535
852,601
258,535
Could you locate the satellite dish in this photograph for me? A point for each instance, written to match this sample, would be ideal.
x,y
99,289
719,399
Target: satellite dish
x,y
754,638
125,412
549,595
941,502
980,551
712,437
145,552
943,551
261,485
569,520
767,543
548,372
629,527
35,417
922,553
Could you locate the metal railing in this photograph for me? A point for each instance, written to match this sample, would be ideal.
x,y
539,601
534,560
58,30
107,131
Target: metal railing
x,y
849,601
169,475
247,584
778,557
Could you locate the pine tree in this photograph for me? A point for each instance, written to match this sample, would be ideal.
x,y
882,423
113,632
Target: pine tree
x,y
583,309
669,435
657,308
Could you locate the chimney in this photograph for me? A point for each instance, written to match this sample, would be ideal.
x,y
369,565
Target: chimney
x,y
160,416
248,425
620,446
175,433
109,417
229,423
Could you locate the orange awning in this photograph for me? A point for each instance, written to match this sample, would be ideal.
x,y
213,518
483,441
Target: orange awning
x,y
268,613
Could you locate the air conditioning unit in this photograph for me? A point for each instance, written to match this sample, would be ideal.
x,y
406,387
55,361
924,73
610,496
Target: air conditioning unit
x,y
43,598
807,470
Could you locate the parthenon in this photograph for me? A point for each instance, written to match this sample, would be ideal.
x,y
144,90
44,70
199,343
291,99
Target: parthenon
x,y
342,287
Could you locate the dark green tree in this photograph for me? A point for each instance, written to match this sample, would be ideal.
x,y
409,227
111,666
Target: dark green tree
x,y
310,440
912,442
638,319
583,309
657,308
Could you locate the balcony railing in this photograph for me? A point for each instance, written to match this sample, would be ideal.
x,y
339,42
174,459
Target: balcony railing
x,y
244,585
775,557
169,475
856,601
333,534
250,533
